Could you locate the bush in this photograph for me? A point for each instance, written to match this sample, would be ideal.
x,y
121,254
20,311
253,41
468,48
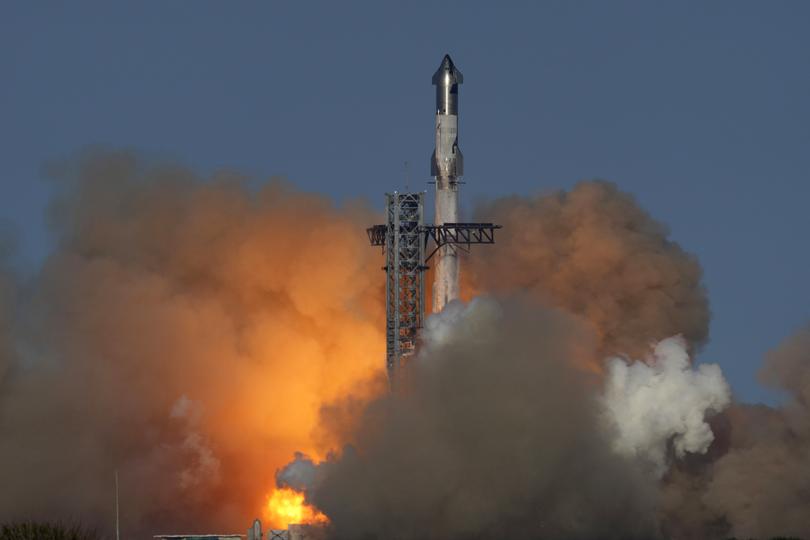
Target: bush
x,y
31,530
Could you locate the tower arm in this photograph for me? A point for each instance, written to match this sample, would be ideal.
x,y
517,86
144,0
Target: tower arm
x,y
460,234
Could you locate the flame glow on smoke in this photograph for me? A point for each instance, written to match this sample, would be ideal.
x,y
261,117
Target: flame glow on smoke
x,y
286,506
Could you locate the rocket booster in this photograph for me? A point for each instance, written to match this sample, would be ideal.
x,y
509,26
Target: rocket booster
x,y
446,165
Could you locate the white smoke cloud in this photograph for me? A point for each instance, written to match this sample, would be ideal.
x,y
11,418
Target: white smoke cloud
x,y
663,401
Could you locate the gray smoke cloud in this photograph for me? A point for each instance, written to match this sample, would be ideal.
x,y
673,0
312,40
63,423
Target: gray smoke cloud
x,y
503,431
498,434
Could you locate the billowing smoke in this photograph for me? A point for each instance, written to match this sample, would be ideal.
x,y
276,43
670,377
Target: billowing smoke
x,y
186,332
595,253
500,434
194,333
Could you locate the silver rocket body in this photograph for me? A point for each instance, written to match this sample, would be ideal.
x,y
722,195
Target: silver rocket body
x,y
447,166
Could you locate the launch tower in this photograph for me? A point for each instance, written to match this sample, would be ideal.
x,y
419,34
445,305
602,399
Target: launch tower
x,y
408,244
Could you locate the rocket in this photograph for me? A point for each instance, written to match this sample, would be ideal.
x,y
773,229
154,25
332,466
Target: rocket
x,y
447,166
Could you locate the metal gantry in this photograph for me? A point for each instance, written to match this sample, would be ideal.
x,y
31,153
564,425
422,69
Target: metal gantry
x,y
405,240
401,238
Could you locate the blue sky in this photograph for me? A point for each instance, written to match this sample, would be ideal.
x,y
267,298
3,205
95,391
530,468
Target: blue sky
x,y
700,109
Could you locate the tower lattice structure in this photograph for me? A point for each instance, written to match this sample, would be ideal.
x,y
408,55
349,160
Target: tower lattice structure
x,y
408,244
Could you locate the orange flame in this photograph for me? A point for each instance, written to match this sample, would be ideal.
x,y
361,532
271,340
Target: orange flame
x,y
286,506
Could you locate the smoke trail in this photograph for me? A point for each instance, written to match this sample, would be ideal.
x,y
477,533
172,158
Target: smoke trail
x,y
595,253
187,333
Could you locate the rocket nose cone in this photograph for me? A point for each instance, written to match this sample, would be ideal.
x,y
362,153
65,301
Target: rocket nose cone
x,y
447,73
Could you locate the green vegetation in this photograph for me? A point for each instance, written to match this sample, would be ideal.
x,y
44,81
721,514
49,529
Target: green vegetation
x,y
31,530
